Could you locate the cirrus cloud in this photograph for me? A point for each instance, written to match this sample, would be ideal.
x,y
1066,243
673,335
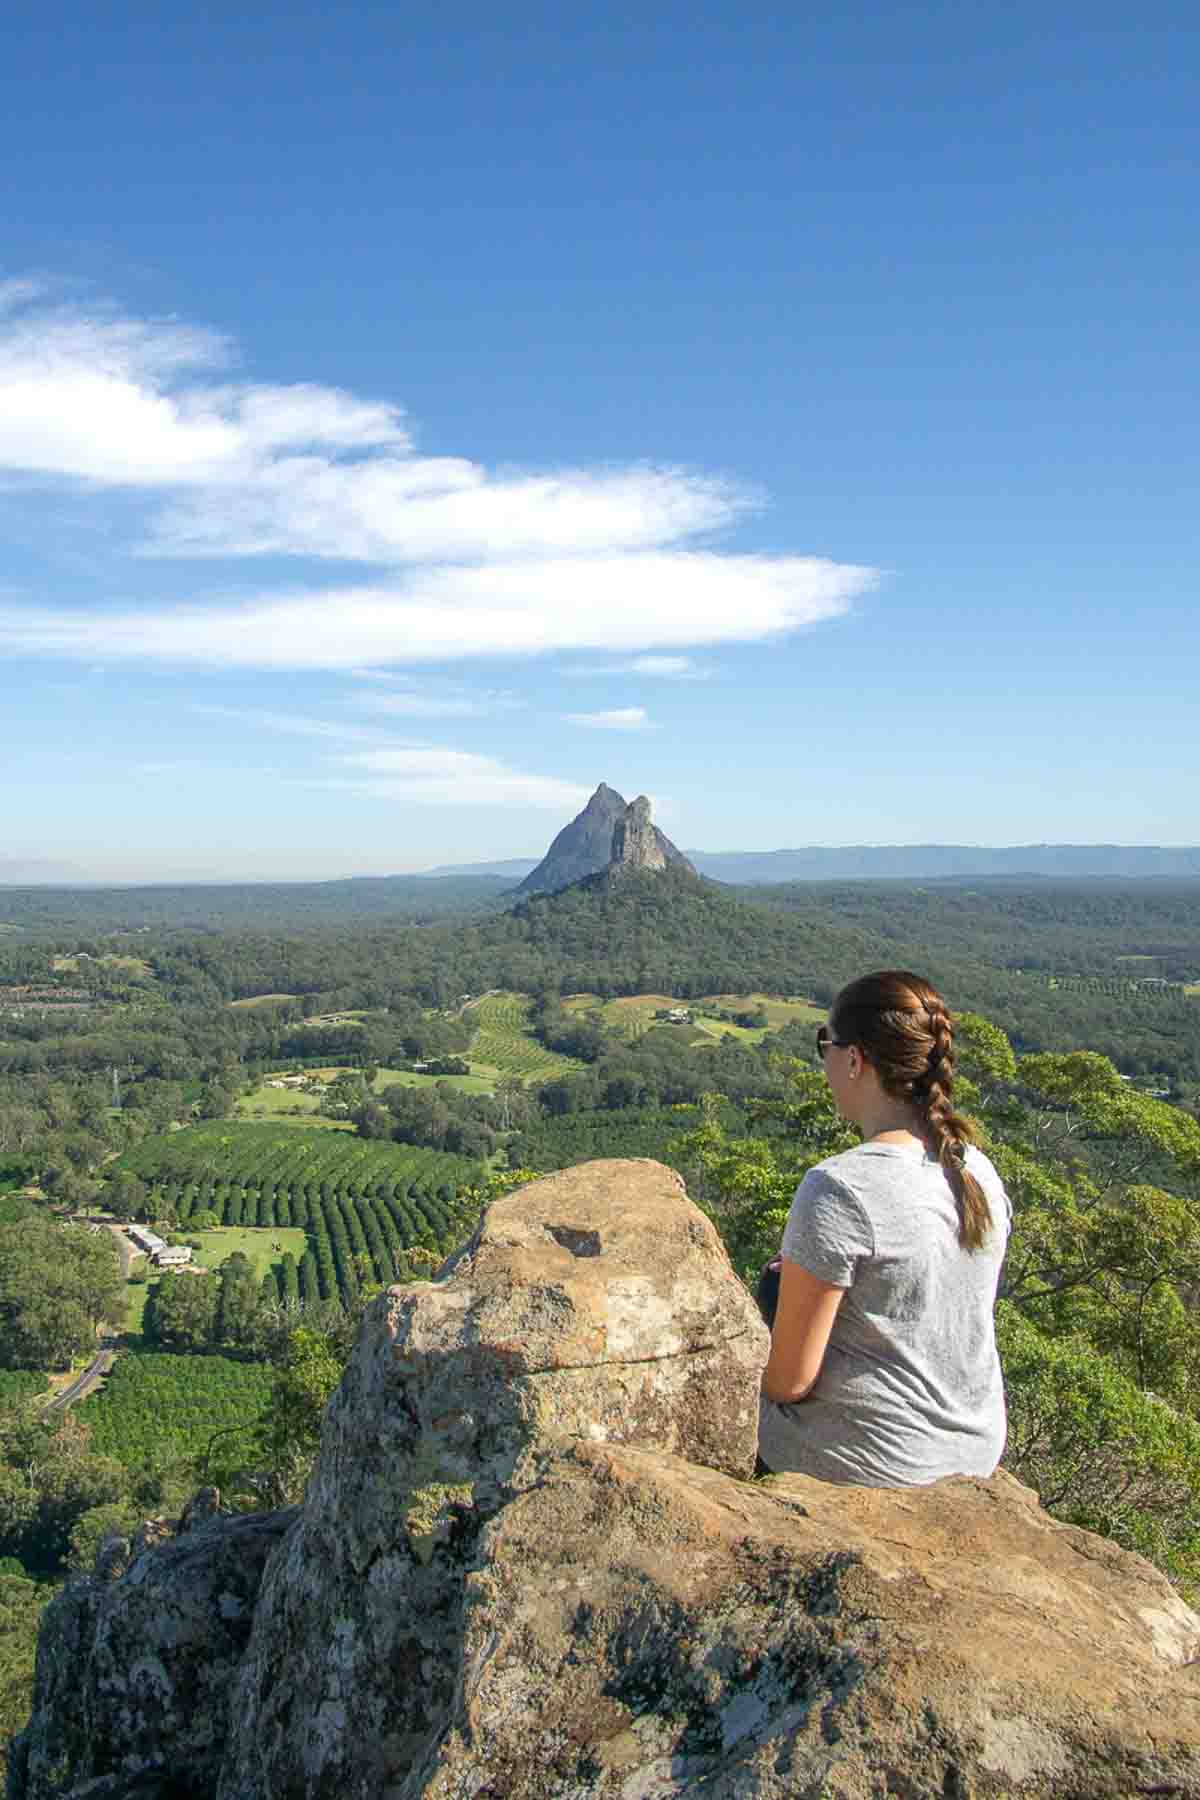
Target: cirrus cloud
x,y
617,718
457,562
427,776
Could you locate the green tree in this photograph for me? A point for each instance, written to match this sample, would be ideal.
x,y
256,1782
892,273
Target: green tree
x,y
308,1368
21,1605
58,1283
181,1312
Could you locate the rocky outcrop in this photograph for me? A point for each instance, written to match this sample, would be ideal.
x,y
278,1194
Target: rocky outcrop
x,y
634,844
134,1665
532,1566
588,846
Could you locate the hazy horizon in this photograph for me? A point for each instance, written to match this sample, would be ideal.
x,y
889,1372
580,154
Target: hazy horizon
x,y
299,866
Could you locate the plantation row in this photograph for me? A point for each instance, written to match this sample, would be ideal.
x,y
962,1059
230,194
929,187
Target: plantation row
x,y
155,1409
1118,987
502,1040
266,1160
558,1141
414,1207
355,1242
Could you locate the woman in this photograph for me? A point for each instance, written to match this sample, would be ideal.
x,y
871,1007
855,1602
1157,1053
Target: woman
x,y
883,1369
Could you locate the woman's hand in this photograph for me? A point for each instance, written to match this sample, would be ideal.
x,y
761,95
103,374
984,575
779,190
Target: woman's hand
x,y
800,1336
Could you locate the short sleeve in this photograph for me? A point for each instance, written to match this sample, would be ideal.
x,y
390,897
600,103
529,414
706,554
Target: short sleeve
x,y
827,1231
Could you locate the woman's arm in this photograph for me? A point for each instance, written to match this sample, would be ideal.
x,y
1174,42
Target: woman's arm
x,y
800,1335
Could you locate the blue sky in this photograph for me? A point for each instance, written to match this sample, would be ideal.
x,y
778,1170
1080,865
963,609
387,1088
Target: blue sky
x,y
410,417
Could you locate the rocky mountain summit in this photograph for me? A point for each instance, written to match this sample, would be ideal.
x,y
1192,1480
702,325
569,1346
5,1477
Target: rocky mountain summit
x,y
532,1565
589,844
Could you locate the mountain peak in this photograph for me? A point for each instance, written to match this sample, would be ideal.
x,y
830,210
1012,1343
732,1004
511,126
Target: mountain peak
x,y
608,833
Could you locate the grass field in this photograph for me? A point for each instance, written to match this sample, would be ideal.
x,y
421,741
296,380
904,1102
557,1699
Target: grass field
x,y
138,1292
277,1103
633,1014
504,1045
779,1012
263,1000
285,1106
263,1247
215,1246
293,1106
467,1084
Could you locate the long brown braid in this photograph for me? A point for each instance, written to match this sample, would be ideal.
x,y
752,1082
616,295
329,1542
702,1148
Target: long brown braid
x,y
904,1029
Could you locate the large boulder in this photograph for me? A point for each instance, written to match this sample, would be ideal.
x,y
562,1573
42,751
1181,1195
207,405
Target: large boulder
x,y
694,1635
597,1304
533,1565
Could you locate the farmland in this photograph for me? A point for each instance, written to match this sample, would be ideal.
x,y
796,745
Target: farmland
x,y
157,1409
264,1249
634,1015
349,1208
466,1084
232,1163
289,1105
283,1105
504,1045
779,1012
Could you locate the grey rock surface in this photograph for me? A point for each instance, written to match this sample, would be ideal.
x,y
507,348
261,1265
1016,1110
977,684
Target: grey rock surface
x,y
595,1304
696,1635
531,1565
635,843
134,1663
587,846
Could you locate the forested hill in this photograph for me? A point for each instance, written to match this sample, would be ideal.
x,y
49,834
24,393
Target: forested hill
x,y
1059,968
664,931
1105,964
1148,929
250,906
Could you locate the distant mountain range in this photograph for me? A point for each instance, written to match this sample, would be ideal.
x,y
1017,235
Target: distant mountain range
x,y
904,862
26,872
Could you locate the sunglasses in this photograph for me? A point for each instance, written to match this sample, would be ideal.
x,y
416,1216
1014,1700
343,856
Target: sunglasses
x,y
826,1042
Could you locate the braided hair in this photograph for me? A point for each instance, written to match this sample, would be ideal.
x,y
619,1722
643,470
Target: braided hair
x,y
904,1029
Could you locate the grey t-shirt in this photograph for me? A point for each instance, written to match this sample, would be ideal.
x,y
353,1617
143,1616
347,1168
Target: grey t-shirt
x,y
910,1388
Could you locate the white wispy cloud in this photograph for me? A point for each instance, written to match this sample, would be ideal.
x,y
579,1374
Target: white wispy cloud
x,y
667,668
290,724
427,776
425,706
459,562
452,614
616,718
437,703
392,769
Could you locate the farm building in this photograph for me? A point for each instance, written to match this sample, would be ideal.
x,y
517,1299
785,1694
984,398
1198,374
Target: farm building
x,y
145,1239
172,1256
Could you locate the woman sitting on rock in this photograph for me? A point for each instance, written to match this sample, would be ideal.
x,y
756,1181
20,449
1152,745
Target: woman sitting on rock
x,y
883,1369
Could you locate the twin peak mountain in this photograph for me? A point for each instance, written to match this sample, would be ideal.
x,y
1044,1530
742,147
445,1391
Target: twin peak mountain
x,y
609,837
